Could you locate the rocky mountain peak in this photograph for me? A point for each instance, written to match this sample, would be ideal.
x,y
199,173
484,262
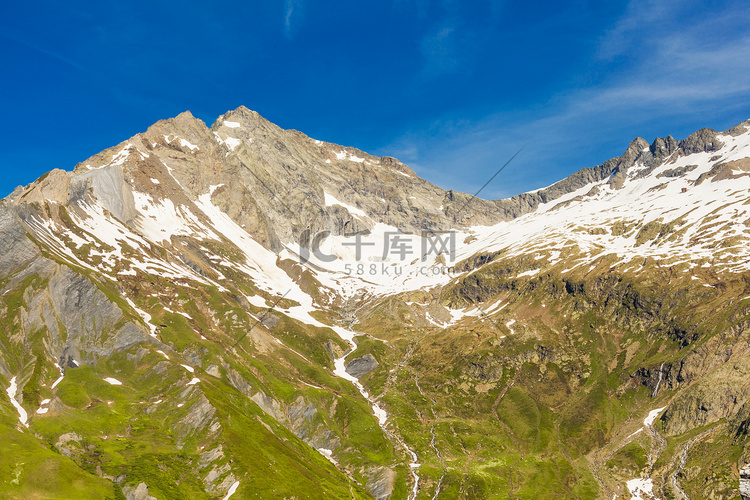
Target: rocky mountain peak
x,y
281,184
635,147
156,323
703,140
663,147
738,129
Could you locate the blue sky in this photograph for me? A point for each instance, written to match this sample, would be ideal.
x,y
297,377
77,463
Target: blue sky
x,y
451,88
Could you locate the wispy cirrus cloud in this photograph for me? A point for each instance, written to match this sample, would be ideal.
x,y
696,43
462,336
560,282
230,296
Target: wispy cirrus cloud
x,y
440,50
451,42
680,74
641,16
45,51
293,12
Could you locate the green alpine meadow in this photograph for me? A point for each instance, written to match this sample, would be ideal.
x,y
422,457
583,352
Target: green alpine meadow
x,y
242,311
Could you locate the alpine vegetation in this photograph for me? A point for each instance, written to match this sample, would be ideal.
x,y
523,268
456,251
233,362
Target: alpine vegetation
x,y
242,311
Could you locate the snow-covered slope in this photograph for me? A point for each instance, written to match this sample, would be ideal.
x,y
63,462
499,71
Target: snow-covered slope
x,y
206,237
688,208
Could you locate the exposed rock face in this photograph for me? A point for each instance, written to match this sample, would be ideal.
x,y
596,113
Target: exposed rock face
x,y
139,492
486,370
274,182
83,323
358,367
547,345
270,406
663,148
717,395
678,172
69,444
703,140
745,482
198,419
106,184
302,418
90,318
381,483
17,252
739,129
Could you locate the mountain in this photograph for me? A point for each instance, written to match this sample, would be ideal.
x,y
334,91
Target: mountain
x,y
243,311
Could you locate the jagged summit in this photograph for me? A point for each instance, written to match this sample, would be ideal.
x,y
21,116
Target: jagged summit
x,y
197,292
256,153
282,188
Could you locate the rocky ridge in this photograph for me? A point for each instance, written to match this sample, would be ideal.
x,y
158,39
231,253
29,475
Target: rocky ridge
x,y
152,300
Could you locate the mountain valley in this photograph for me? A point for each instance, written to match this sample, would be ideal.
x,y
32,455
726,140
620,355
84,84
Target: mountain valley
x,y
243,311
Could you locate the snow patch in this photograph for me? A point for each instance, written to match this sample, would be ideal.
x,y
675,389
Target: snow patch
x,y
641,486
651,417
531,272
496,307
510,324
54,384
42,410
232,142
232,489
120,157
633,434
187,144
330,201
11,391
144,315
328,454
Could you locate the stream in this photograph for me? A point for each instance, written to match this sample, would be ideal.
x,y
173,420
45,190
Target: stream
x,y
661,373
432,434
682,463
380,413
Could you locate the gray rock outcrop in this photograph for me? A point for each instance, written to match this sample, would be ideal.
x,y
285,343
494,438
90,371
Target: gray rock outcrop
x,y
745,482
358,367
139,492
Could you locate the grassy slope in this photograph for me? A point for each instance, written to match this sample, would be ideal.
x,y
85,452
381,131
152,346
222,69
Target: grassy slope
x,y
519,415
566,380
136,437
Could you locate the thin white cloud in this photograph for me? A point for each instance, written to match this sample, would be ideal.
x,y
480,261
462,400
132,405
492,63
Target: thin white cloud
x,y
47,52
683,77
440,51
293,12
641,17
447,43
